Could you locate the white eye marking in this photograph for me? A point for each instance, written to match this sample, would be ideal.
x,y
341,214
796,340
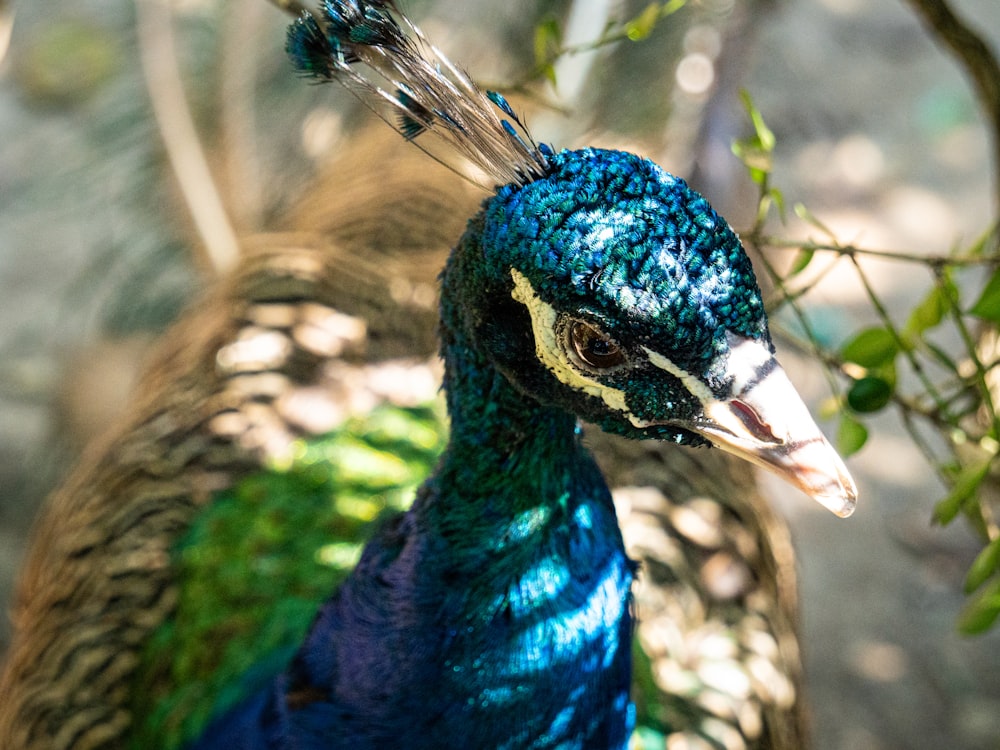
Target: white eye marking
x,y
748,361
550,354
696,388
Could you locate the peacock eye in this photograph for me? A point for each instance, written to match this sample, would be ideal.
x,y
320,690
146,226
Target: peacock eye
x,y
594,347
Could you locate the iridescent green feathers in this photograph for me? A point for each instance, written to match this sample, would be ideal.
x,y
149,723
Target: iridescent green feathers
x,y
361,45
259,561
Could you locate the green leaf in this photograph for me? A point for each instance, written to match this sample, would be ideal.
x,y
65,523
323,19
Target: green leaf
x,y
872,347
757,161
965,486
851,435
548,40
869,394
973,514
928,314
779,201
671,7
642,25
755,152
987,563
764,135
983,243
802,259
988,304
981,611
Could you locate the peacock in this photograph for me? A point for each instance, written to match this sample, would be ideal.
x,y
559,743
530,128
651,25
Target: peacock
x,y
224,573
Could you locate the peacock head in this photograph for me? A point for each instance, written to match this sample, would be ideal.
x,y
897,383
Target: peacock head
x,y
613,290
593,280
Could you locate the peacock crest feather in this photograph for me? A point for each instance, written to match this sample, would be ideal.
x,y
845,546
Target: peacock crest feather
x,y
360,44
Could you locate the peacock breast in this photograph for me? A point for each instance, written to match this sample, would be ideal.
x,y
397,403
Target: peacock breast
x,y
530,648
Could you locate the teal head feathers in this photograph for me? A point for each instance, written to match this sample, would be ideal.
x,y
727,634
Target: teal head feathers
x,y
592,279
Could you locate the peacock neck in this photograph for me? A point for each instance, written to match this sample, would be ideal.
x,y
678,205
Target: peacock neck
x,y
511,462
495,612
517,535
497,431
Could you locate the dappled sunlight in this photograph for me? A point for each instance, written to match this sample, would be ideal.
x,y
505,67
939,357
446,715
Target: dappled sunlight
x,y
876,136
567,636
923,220
713,655
695,73
854,163
879,661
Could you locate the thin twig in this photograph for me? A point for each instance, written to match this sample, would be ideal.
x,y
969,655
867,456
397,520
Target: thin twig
x,y
971,350
813,347
611,35
157,51
803,287
907,351
781,243
929,453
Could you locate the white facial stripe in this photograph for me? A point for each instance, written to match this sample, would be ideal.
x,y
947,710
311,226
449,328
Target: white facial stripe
x,y
550,354
748,361
697,389
717,410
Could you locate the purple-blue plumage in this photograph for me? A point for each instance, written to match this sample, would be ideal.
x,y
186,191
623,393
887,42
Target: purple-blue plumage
x,y
491,615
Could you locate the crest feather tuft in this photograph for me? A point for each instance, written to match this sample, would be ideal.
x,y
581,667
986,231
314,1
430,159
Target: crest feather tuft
x,y
363,45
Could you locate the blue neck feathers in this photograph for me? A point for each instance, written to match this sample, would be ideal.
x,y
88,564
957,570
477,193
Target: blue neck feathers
x,y
495,613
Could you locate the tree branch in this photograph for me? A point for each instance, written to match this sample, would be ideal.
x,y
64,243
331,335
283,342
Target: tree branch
x,y
157,52
979,62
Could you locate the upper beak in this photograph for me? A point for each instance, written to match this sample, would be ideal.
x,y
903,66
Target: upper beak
x,y
766,422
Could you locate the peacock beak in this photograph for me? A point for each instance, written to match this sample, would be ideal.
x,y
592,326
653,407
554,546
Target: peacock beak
x,y
765,422
769,425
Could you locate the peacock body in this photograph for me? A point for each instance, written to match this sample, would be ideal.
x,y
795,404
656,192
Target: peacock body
x,y
230,606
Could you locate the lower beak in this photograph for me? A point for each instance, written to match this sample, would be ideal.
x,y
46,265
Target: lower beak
x,y
768,424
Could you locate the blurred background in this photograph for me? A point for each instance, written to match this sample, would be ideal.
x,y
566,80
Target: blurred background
x,y
877,133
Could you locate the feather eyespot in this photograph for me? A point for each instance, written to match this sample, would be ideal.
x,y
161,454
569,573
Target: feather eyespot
x,y
593,347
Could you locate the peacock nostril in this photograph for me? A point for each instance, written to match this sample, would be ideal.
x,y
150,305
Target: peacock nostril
x,y
754,424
